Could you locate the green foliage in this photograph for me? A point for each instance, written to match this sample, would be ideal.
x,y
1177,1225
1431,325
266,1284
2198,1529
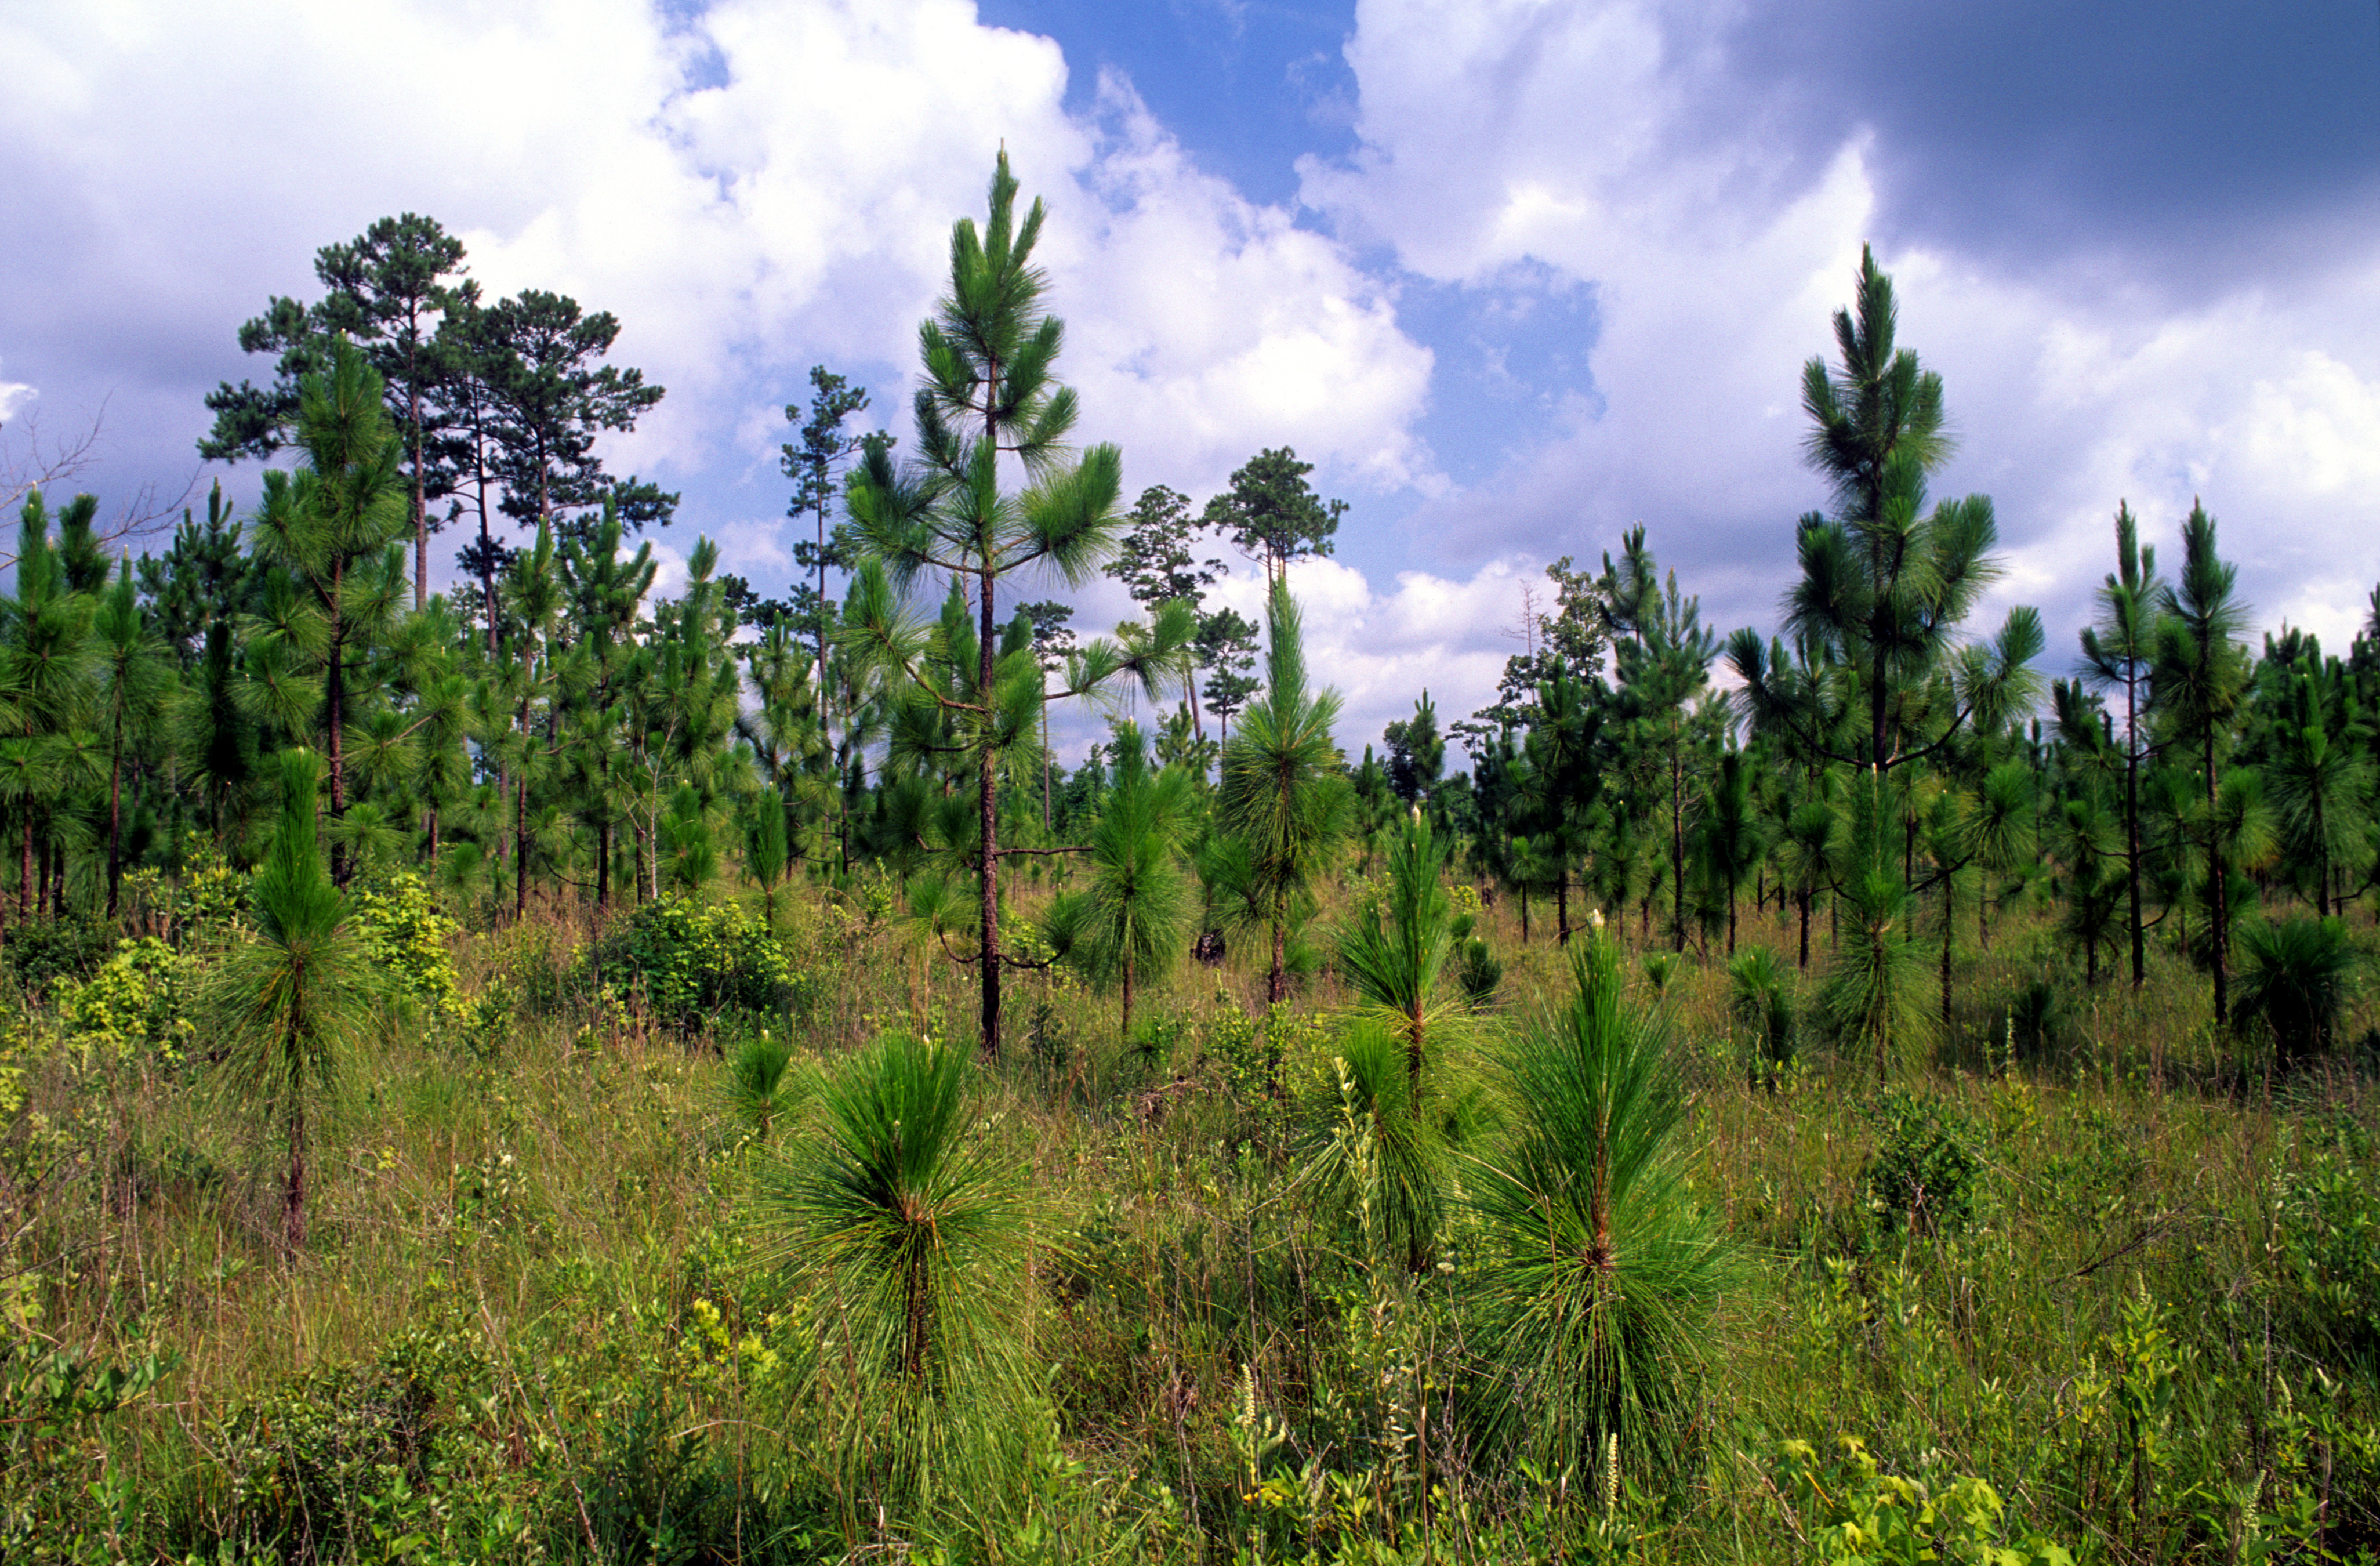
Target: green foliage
x,y
1284,796
759,1086
914,1231
311,1466
1856,1513
1876,990
2298,977
2328,1245
292,1003
1393,958
409,940
685,962
1378,1153
1477,971
136,1003
1761,1003
1602,1268
1927,1167
40,954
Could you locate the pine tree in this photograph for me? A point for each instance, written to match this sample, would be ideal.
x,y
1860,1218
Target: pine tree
x,y
2200,681
1284,794
991,399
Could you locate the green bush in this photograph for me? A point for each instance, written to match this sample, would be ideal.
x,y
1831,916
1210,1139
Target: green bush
x,y
405,935
691,961
1854,1511
133,1003
42,951
1924,1172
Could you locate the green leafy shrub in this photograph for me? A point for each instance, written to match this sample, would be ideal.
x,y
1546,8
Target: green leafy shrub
x,y
1857,1513
135,1002
42,951
690,961
305,1462
1924,1172
405,935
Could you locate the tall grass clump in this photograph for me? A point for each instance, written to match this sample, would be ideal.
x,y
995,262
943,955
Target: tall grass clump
x,y
1602,1271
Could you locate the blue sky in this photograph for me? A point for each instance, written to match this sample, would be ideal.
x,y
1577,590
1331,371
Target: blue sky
x,y
1516,273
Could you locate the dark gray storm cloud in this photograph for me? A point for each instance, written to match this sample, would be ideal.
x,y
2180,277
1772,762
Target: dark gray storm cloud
x,y
2183,147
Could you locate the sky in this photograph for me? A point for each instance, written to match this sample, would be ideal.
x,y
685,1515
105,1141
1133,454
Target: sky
x,y
1514,275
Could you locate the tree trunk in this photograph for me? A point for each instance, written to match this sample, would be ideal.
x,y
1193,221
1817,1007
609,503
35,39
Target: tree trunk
x,y
2219,921
988,811
1802,898
420,503
335,692
116,818
293,1195
2132,824
1949,906
1677,846
1276,982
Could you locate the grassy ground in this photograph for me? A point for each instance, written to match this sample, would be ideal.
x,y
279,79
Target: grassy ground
x,y
552,1306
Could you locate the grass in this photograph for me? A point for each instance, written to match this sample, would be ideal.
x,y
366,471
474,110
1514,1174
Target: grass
x,y
555,1252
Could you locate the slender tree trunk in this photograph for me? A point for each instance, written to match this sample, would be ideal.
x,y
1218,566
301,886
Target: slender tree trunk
x,y
420,501
28,884
1731,921
115,816
1950,907
520,818
1802,898
293,1198
335,693
1276,982
1677,845
2218,913
988,812
2132,824
1124,1037
1561,908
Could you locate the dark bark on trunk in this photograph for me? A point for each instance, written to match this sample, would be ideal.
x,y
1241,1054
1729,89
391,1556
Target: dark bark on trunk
x,y
116,818
293,1198
336,691
2132,824
2219,920
987,813
1804,899
1677,846
1949,906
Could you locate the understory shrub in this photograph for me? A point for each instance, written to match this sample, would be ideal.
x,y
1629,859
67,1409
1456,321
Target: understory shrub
x,y
406,937
690,961
1925,1172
